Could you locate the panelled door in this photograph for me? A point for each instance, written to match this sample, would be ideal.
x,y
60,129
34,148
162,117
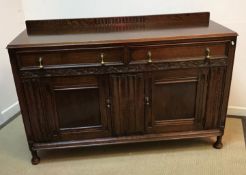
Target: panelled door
x,y
72,108
176,100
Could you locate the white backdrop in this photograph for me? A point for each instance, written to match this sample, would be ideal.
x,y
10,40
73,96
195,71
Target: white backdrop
x,y
12,22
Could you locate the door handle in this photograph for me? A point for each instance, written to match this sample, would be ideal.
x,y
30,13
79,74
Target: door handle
x,y
102,59
147,101
108,103
40,60
149,57
207,54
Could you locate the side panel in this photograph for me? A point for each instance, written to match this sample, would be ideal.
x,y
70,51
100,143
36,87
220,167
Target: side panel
x,y
214,97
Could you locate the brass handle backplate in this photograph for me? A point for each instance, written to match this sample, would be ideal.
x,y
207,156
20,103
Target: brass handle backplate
x,y
40,63
149,57
102,59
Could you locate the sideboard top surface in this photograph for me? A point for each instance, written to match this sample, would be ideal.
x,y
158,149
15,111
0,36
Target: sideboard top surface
x,y
160,32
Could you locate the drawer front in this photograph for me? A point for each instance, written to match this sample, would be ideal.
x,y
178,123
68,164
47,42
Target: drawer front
x,y
177,52
71,57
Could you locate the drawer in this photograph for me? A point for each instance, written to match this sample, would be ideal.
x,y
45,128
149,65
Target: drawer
x,y
177,52
73,57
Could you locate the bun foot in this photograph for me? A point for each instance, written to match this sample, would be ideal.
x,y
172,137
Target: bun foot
x,y
35,159
218,144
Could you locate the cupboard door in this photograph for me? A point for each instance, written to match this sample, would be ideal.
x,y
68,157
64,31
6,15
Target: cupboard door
x,y
81,106
127,94
74,107
176,100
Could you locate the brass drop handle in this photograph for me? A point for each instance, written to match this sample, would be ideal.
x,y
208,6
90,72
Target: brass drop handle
x,y
147,101
40,63
108,103
102,59
149,56
207,53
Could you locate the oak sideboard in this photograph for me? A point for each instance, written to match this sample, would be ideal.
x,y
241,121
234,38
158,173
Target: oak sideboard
x,y
118,80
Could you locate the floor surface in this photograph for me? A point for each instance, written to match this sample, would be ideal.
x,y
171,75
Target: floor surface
x,y
193,156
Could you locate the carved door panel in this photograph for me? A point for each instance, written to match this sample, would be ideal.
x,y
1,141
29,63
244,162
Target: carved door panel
x,y
213,113
176,100
127,95
37,101
73,108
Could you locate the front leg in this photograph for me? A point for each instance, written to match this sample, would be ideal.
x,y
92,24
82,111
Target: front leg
x,y
35,158
218,144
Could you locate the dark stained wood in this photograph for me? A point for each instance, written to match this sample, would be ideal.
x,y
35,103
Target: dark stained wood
x,y
127,93
34,93
71,57
78,107
159,80
35,159
176,51
115,24
172,91
214,101
213,31
126,139
71,101
218,144
177,99
227,85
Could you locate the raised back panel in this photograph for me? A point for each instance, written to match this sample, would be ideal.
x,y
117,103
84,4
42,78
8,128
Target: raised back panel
x,y
68,26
